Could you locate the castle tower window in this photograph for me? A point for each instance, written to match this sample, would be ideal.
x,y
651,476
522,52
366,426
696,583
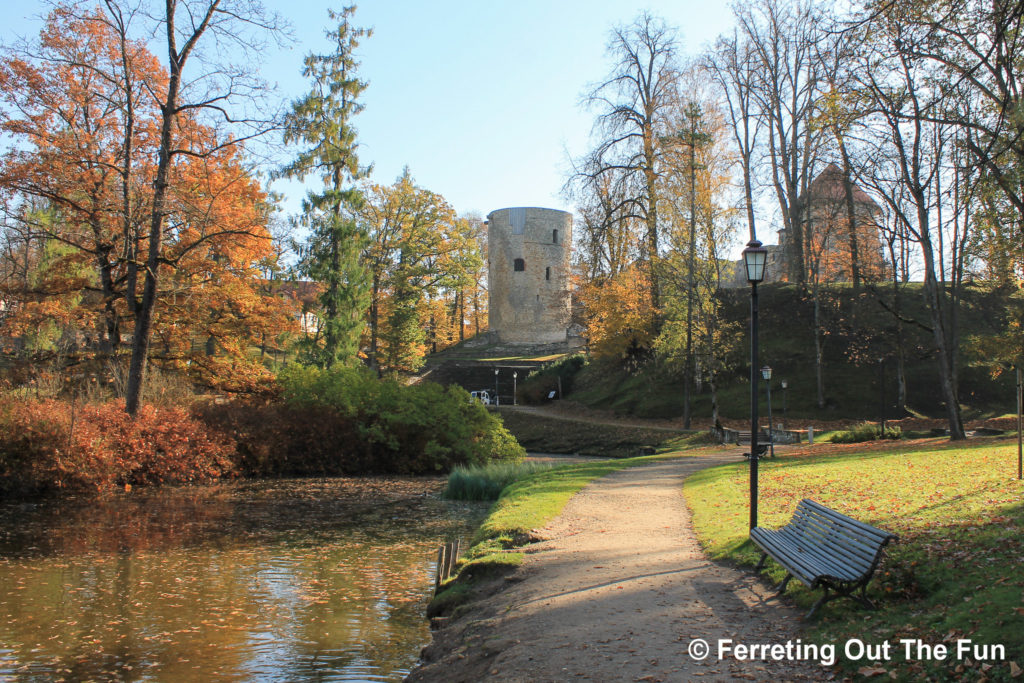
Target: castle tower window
x,y
547,273
554,236
519,265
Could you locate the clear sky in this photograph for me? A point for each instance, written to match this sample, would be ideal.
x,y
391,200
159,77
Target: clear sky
x,y
480,98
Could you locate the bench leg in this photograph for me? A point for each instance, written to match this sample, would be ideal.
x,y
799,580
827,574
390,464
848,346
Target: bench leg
x,y
782,586
760,563
821,601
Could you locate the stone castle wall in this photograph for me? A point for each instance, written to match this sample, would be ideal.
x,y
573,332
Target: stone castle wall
x,y
528,274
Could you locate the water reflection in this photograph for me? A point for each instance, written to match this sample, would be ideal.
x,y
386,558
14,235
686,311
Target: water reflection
x,y
292,580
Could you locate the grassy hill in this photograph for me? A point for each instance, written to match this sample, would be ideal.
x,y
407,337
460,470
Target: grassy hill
x,y
860,331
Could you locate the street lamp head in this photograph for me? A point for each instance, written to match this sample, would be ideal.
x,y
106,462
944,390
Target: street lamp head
x,y
766,373
495,372
514,374
785,384
755,256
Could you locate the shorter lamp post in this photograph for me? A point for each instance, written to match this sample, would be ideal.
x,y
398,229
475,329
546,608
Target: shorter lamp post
x,y
515,374
881,382
1020,418
766,373
785,385
495,386
754,258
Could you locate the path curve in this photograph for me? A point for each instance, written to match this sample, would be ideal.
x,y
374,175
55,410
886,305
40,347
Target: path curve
x,y
616,592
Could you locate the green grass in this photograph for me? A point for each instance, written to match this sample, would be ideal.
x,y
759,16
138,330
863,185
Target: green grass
x,y
955,571
486,482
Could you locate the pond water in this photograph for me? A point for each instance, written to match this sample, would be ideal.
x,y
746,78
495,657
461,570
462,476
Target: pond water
x,y
290,580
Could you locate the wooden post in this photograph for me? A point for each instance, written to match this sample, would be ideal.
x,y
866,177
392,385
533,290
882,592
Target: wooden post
x,y
440,568
449,559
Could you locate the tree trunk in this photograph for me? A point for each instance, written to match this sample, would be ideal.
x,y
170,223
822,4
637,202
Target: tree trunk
x,y
947,377
144,313
851,221
168,114
819,370
374,322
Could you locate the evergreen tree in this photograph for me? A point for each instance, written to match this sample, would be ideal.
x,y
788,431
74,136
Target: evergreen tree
x,y
331,256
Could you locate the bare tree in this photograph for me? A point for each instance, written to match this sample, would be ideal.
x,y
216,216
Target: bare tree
x,y
633,101
732,65
786,89
910,155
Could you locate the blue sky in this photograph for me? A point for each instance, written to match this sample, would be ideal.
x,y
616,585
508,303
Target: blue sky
x,y
480,99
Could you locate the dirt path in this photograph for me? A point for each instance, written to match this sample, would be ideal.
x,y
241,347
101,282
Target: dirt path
x,y
576,413
616,593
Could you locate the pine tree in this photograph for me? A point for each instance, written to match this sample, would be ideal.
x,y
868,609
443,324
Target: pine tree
x,y
331,256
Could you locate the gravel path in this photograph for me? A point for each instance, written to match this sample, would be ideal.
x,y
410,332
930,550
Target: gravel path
x,y
616,593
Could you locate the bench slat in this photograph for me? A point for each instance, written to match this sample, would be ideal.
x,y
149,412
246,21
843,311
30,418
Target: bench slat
x,y
838,540
867,529
808,562
826,564
801,570
842,560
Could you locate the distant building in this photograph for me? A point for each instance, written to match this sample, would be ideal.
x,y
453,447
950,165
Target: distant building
x,y
828,243
528,251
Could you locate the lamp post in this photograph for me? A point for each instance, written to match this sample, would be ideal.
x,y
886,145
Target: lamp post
x,y
766,373
785,385
881,369
754,258
514,375
495,386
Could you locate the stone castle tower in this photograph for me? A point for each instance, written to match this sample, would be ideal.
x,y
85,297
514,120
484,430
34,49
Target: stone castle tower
x,y
528,274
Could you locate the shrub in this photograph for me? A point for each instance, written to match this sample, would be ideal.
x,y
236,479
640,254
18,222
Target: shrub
x,y
346,421
867,431
488,481
52,445
273,439
540,383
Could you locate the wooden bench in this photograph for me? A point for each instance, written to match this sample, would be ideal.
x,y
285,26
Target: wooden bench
x,y
824,549
762,445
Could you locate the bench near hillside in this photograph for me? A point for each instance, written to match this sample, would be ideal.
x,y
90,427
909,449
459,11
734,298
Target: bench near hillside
x,y
824,549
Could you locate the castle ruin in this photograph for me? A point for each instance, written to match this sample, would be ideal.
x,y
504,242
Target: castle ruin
x,y
528,252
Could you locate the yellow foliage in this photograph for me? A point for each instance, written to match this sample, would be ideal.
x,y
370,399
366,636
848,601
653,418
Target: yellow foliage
x,y
620,319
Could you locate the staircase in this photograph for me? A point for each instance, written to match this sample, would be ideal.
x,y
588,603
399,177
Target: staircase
x,y
473,369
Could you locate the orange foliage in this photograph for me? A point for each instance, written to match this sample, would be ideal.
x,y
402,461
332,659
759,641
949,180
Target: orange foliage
x,y
619,316
51,445
80,187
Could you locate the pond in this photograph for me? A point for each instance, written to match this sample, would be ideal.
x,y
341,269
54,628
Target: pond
x,y
290,580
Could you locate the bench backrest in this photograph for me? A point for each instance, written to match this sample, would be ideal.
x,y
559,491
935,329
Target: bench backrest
x,y
853,543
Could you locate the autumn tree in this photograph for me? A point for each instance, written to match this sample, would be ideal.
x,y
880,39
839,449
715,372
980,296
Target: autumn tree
x,y
418,249
215,93
618,316
157,201
732,67
323,121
